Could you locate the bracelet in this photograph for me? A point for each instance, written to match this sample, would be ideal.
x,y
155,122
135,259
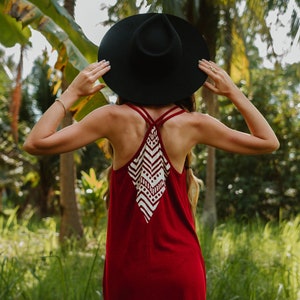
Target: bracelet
x,y
58,100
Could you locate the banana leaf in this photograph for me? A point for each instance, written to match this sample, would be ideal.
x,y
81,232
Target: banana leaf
x,y
74,49
12,31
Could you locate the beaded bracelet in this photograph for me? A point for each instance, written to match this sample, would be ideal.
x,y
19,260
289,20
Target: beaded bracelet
x,y
58,100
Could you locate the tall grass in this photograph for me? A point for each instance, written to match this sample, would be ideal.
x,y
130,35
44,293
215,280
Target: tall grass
x,y
254,261
244,262
32,266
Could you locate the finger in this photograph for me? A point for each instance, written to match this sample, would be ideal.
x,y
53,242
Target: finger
x,y
100,70
92,66
207,67
103,70
95,67
205,62
98,87
211,87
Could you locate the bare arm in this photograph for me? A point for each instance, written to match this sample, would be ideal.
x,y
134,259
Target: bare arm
x,y
44,137
261,139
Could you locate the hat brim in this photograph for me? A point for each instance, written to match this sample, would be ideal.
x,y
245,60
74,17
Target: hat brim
x,y
184,79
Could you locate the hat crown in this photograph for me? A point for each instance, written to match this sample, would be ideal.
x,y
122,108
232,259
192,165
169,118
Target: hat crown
x,y
154,58
155,44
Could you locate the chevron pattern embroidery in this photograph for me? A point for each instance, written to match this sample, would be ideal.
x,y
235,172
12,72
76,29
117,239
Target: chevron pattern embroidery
x,y
149,172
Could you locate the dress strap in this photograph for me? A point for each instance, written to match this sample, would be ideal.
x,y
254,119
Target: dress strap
x,y
162,119
168,115
142,112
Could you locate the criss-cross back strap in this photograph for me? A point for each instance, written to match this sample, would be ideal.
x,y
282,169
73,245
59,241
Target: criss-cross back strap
x,y
162,119
168,115
142,112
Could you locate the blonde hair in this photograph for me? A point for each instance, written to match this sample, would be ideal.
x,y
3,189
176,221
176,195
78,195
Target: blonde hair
x,y
192,182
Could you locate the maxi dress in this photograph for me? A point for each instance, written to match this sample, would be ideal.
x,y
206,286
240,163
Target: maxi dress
x,y
152,249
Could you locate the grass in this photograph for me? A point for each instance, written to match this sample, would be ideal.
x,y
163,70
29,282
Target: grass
x,y
32,266
253,262
244,262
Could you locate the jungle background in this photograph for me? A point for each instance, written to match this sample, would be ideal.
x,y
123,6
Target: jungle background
x,y
53,210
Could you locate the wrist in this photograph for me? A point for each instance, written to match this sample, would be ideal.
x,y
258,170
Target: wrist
x,y
235,94
68,97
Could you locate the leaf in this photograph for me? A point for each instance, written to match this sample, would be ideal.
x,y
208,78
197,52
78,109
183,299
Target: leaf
x,y
61,31
84,106
239,60
12,31
65,22
75,51
91,179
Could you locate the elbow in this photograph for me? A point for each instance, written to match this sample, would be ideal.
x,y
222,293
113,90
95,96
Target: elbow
x,y
30,148
272,146
276,146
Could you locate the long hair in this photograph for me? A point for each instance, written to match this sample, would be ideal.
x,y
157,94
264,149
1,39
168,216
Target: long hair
x,y
192,182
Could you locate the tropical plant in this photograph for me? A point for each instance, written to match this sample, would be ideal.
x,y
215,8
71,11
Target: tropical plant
x,y
71,59
91,201
14,164
265,185
74,50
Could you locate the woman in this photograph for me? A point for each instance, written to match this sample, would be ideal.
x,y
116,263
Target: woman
x,y
152,248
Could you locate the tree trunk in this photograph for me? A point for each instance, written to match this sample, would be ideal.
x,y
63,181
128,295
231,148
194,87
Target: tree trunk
x,y
16,99
208,26
71,225
209,215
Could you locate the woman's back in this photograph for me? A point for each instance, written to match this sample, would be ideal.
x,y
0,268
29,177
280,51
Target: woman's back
x,y
132,127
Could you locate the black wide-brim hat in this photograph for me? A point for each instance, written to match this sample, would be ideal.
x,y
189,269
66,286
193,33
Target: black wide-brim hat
x,y
154,58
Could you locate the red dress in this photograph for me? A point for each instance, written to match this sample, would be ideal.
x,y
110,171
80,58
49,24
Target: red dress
x,y
152,250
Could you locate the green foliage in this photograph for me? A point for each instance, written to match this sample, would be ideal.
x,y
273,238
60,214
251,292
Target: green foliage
x,y
15,34
74,50
264,185
14,163
33,267
254,261
92,203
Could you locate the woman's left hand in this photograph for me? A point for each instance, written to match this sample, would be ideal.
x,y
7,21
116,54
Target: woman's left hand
x,y
85,82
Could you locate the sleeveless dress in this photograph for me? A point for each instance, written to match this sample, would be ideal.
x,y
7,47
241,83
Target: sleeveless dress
x,y
152,250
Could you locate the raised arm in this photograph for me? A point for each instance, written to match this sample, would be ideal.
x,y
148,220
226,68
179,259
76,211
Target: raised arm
x,y
44,137
261,139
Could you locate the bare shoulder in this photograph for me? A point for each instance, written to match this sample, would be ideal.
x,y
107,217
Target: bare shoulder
x,y
199,120
199,117
108,115
113,111
201,126
108,120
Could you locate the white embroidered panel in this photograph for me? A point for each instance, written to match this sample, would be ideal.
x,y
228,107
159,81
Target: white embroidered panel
x,y
149,172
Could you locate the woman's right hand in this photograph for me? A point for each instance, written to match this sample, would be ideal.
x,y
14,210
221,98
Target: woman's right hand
x,y
222,83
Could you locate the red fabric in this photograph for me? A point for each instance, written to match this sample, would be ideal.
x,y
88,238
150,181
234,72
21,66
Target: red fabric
x,y
156,260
